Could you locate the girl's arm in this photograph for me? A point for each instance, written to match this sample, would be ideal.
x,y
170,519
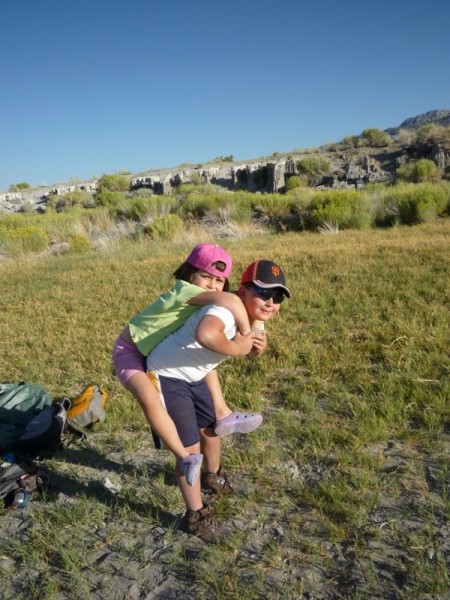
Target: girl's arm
x,y
228,300
210,333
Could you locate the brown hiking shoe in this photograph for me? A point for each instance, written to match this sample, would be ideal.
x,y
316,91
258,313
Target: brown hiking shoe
x,y
203,524
221,483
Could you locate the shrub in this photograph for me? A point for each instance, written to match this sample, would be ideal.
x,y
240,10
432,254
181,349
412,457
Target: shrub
x,y
420,203
432,134
313,167
110,199
198,205
422,170
229,158
274,205
75,198
350,141
384,207
376,138
237,206
164,228
295,182
15,187
349,209
142,207
79,243
184,189
113,183
19,240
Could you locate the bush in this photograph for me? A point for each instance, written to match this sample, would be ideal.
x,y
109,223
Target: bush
x,y
79,243
75,198
110,199
376,138
349,142
422,170
113,183
19,240
347,208
15,187
432,134
198,205
229,158
164,228
295,182
314,165
420,203
185,189
237,206
142,207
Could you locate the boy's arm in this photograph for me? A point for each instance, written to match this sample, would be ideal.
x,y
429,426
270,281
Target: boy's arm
x,y
210,334
228,300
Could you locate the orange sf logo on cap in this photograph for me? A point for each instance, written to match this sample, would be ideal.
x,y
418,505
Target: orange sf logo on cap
x,y
275,271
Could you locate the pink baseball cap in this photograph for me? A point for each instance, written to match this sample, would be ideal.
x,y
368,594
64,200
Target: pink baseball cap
x,y
204,256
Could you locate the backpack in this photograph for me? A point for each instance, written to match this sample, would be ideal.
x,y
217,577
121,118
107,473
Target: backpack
x,y
20,483
44,434
39,424
87,408
19,404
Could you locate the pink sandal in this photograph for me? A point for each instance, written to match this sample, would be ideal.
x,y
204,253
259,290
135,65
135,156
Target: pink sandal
x,y
238,422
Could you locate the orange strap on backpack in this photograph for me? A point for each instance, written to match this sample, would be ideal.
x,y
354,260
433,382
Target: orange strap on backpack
x,y
88,407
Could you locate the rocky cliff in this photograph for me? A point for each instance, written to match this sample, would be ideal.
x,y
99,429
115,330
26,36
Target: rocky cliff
x,y
350,167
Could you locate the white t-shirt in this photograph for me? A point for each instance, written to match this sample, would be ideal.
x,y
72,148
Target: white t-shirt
x,y
180,355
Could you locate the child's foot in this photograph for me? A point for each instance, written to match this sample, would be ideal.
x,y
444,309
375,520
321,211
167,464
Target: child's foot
x,y
190,466
238,422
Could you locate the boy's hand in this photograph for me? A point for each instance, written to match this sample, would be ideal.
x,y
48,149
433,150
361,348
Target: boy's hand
x,y
259,343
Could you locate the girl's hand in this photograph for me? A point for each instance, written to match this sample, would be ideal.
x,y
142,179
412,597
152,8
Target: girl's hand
x,y
259,343
244,343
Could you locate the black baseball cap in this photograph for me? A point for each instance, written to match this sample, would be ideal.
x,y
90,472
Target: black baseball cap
x,y
265,274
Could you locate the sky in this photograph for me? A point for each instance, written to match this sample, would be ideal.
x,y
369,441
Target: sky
x,y
94,87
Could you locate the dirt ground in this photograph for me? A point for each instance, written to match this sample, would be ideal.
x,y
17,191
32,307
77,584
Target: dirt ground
x,y
393,556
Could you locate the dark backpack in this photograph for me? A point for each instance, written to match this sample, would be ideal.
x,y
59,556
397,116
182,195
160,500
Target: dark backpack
x,y
44,434
20,483
19,404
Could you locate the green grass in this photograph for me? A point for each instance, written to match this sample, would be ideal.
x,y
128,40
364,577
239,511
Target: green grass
x,y
358,359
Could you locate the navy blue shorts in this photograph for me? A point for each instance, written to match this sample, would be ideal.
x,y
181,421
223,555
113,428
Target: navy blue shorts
x,y
189,404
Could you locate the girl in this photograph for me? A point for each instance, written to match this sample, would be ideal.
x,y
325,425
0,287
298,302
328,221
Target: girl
x,y
201,280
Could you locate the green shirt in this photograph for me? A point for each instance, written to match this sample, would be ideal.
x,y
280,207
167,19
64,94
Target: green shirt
x,y
165,315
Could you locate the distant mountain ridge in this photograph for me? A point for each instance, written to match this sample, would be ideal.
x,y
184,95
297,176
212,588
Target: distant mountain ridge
x,y
437,117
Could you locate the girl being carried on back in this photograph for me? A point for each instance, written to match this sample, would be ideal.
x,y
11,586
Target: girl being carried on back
x,y
201,280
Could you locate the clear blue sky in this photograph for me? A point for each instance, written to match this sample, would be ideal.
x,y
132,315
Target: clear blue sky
x,y
90,87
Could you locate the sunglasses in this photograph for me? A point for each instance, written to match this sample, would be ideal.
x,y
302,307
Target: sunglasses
x,y
267,294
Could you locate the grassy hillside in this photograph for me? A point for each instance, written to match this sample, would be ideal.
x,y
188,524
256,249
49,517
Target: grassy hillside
x,y
357,362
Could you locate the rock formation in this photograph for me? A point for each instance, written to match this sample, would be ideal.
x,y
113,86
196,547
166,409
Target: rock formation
x,y
350,167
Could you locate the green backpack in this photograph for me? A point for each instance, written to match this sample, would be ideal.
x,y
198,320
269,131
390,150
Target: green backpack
x,y
20,403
